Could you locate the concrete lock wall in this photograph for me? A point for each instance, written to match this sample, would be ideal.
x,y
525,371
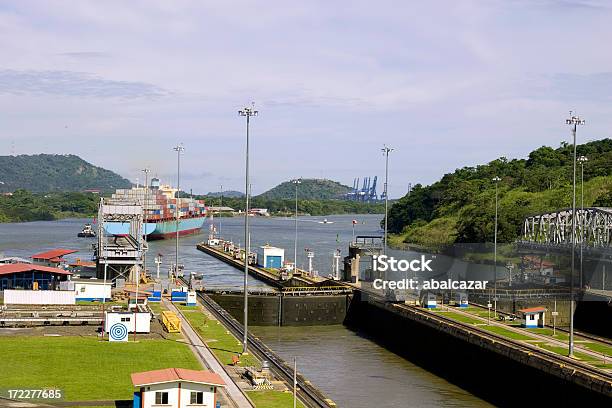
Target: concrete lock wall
x,y
286,310
469,366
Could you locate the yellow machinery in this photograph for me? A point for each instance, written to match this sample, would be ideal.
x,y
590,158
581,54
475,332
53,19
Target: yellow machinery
x,y
171,322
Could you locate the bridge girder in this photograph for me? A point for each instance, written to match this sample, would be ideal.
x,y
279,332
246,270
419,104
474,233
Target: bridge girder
x,y
593,228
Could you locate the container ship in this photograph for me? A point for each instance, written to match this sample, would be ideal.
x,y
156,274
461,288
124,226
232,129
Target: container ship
x,y
160,211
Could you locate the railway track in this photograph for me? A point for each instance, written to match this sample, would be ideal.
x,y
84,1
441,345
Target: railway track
x,y
309,395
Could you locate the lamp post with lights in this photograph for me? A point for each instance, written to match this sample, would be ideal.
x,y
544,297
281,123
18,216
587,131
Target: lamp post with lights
x,y
573,121
179,150
297,182
582,160
386,150
496,180
247,112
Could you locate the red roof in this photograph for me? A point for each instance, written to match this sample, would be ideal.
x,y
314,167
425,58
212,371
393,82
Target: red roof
x,y
21,267
176,374
533,310
54,253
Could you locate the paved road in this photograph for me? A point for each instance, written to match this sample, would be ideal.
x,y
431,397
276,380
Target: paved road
x,y
207,358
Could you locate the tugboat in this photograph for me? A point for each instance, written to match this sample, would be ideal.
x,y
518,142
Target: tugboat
x,y
87,232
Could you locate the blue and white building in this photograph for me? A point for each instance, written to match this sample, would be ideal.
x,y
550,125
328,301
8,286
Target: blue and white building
x,y
270,257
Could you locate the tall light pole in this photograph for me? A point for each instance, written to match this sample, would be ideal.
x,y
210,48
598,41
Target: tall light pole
x,y
496,180
582,160
220,209
573,121
179,149
247,112
296,182
144,213
386,150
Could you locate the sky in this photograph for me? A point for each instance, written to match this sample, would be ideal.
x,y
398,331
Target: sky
x,y
446,84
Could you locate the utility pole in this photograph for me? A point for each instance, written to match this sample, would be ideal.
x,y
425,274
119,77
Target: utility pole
x,y
247,112
386,150
582,160
573,121
296,182
496,180
179,149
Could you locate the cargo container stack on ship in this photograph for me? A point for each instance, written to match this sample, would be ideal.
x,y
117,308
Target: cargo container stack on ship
x,y
160,211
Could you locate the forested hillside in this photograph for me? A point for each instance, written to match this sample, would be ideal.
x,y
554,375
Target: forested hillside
x,y
461,206
55,172
25,206
309,189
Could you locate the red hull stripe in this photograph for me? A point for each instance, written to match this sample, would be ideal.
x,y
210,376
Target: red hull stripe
x,y
173,234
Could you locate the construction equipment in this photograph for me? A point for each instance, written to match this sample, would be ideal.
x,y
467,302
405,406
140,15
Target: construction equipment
x,y
171,322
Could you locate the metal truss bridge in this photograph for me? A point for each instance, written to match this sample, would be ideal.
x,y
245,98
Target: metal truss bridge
x,y
554,229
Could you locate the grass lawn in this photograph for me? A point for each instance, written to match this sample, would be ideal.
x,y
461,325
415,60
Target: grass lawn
x,y
545,331
220,342
460,318
600,348
84,367
563,351
506,333
273,399
479,312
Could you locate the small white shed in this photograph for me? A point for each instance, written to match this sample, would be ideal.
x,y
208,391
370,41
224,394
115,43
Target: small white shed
x,y
533,317
176,388
139,321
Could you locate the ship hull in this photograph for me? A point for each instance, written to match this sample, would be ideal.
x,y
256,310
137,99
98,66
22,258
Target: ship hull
x,y
186,226
161,229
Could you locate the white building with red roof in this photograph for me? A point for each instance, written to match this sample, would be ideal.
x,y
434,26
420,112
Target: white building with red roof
x,y
54,257
176,388
533,317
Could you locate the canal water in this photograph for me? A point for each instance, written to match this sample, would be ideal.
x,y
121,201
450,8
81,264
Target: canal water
x,y
352,369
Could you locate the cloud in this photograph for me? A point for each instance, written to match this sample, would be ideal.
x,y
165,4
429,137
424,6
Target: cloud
x,y
74,84
85,54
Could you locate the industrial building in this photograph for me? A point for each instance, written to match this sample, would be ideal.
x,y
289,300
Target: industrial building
x,y
31,276
176,388
271,257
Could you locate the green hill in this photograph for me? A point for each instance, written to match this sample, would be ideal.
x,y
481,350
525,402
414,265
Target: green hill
x,y
309,189
228,193
460,207
54,172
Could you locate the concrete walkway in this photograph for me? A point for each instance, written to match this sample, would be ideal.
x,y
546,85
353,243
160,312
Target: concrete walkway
x,y
206,357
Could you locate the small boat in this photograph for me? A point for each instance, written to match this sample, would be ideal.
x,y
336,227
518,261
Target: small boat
x,y
87,232
325,221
